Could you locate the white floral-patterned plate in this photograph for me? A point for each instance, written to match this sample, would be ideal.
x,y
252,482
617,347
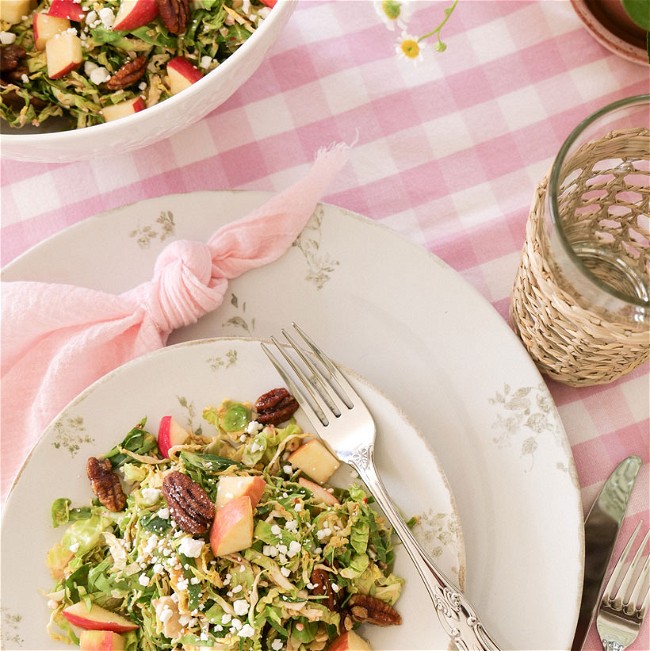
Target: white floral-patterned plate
x,y
419,333
182,380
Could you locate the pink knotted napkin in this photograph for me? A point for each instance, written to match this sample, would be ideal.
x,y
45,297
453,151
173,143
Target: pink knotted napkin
x,y
57,339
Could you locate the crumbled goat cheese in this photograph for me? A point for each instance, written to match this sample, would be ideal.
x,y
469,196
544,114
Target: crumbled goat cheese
x,y
246,631
165,614
149,495
253,426
240,606
107,17
190,547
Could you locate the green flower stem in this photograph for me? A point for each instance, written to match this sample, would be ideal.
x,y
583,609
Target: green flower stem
x,y
448,12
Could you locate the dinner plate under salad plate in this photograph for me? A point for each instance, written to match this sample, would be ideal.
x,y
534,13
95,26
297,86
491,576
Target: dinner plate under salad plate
x,y
427,340
182,380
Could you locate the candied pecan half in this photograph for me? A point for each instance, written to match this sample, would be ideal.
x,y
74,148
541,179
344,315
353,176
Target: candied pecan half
x,y
128,74
174,14
189,504
364,608
105,484
10,58
275,406
320,579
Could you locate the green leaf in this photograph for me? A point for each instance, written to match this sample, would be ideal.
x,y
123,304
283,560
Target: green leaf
x,y
60,511
138,440
639,12
154,523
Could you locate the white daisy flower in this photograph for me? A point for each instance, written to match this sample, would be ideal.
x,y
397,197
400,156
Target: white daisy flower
x,y
410,47
393,12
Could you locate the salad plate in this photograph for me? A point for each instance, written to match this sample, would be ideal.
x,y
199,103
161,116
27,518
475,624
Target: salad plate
x,y
181,381
426,339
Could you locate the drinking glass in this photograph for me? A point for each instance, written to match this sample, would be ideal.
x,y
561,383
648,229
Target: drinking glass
x,y
581,298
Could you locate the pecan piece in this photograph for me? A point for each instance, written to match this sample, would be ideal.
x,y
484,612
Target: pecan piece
x,y
275,406
10,57
105,484
189,504
174,14
320,579
364,608
16,75
128,74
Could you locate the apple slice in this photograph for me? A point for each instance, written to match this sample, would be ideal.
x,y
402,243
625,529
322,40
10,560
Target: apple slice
x,y
100,641
135,13
269,3
232,528
170,433
181,74
121,110
46,27
67,9
97,619
315,460
63,54
349,641
319,492
13,11
230,488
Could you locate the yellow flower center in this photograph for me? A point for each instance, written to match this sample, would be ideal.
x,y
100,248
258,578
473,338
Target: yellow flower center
x,y
410,48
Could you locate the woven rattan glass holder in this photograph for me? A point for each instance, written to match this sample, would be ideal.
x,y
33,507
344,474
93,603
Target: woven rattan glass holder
x,y
582,320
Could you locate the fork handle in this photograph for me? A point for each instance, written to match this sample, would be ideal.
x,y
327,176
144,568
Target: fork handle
x,y
455,613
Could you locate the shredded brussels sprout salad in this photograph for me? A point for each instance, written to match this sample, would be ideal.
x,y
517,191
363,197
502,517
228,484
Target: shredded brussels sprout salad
x,y
282,573
92,61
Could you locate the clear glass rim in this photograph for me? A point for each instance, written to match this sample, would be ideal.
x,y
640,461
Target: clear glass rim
x,y
554,185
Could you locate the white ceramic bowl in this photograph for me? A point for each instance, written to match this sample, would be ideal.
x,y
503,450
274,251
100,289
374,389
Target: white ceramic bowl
x,y
44,144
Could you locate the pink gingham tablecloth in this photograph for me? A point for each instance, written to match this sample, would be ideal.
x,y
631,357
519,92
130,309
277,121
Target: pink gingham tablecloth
x,y
448,154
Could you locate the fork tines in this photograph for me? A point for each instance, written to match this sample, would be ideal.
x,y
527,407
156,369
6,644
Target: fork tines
x,y
322,386
627,589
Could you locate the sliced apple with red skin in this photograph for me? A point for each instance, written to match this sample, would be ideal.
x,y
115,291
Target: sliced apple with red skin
x,y
232,528
318,491
121,110
12,11
181,74
63,54
230,488
67,9
135,13
101,641
97,619
170,433
269,3
46,27
349,641
315,460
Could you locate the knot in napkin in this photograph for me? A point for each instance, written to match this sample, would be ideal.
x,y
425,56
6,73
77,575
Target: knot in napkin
x,y
183,289
57,339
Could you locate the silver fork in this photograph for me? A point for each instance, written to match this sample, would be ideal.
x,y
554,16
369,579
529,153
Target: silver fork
x,y
342,420
625,599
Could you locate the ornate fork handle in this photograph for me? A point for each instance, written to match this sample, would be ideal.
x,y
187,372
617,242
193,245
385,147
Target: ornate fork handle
x,y
455,613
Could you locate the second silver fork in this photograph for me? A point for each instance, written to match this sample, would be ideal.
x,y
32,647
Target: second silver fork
x,y
342,420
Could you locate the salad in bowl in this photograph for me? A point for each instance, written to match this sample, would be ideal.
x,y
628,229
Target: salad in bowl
x,y
225,537
95,61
